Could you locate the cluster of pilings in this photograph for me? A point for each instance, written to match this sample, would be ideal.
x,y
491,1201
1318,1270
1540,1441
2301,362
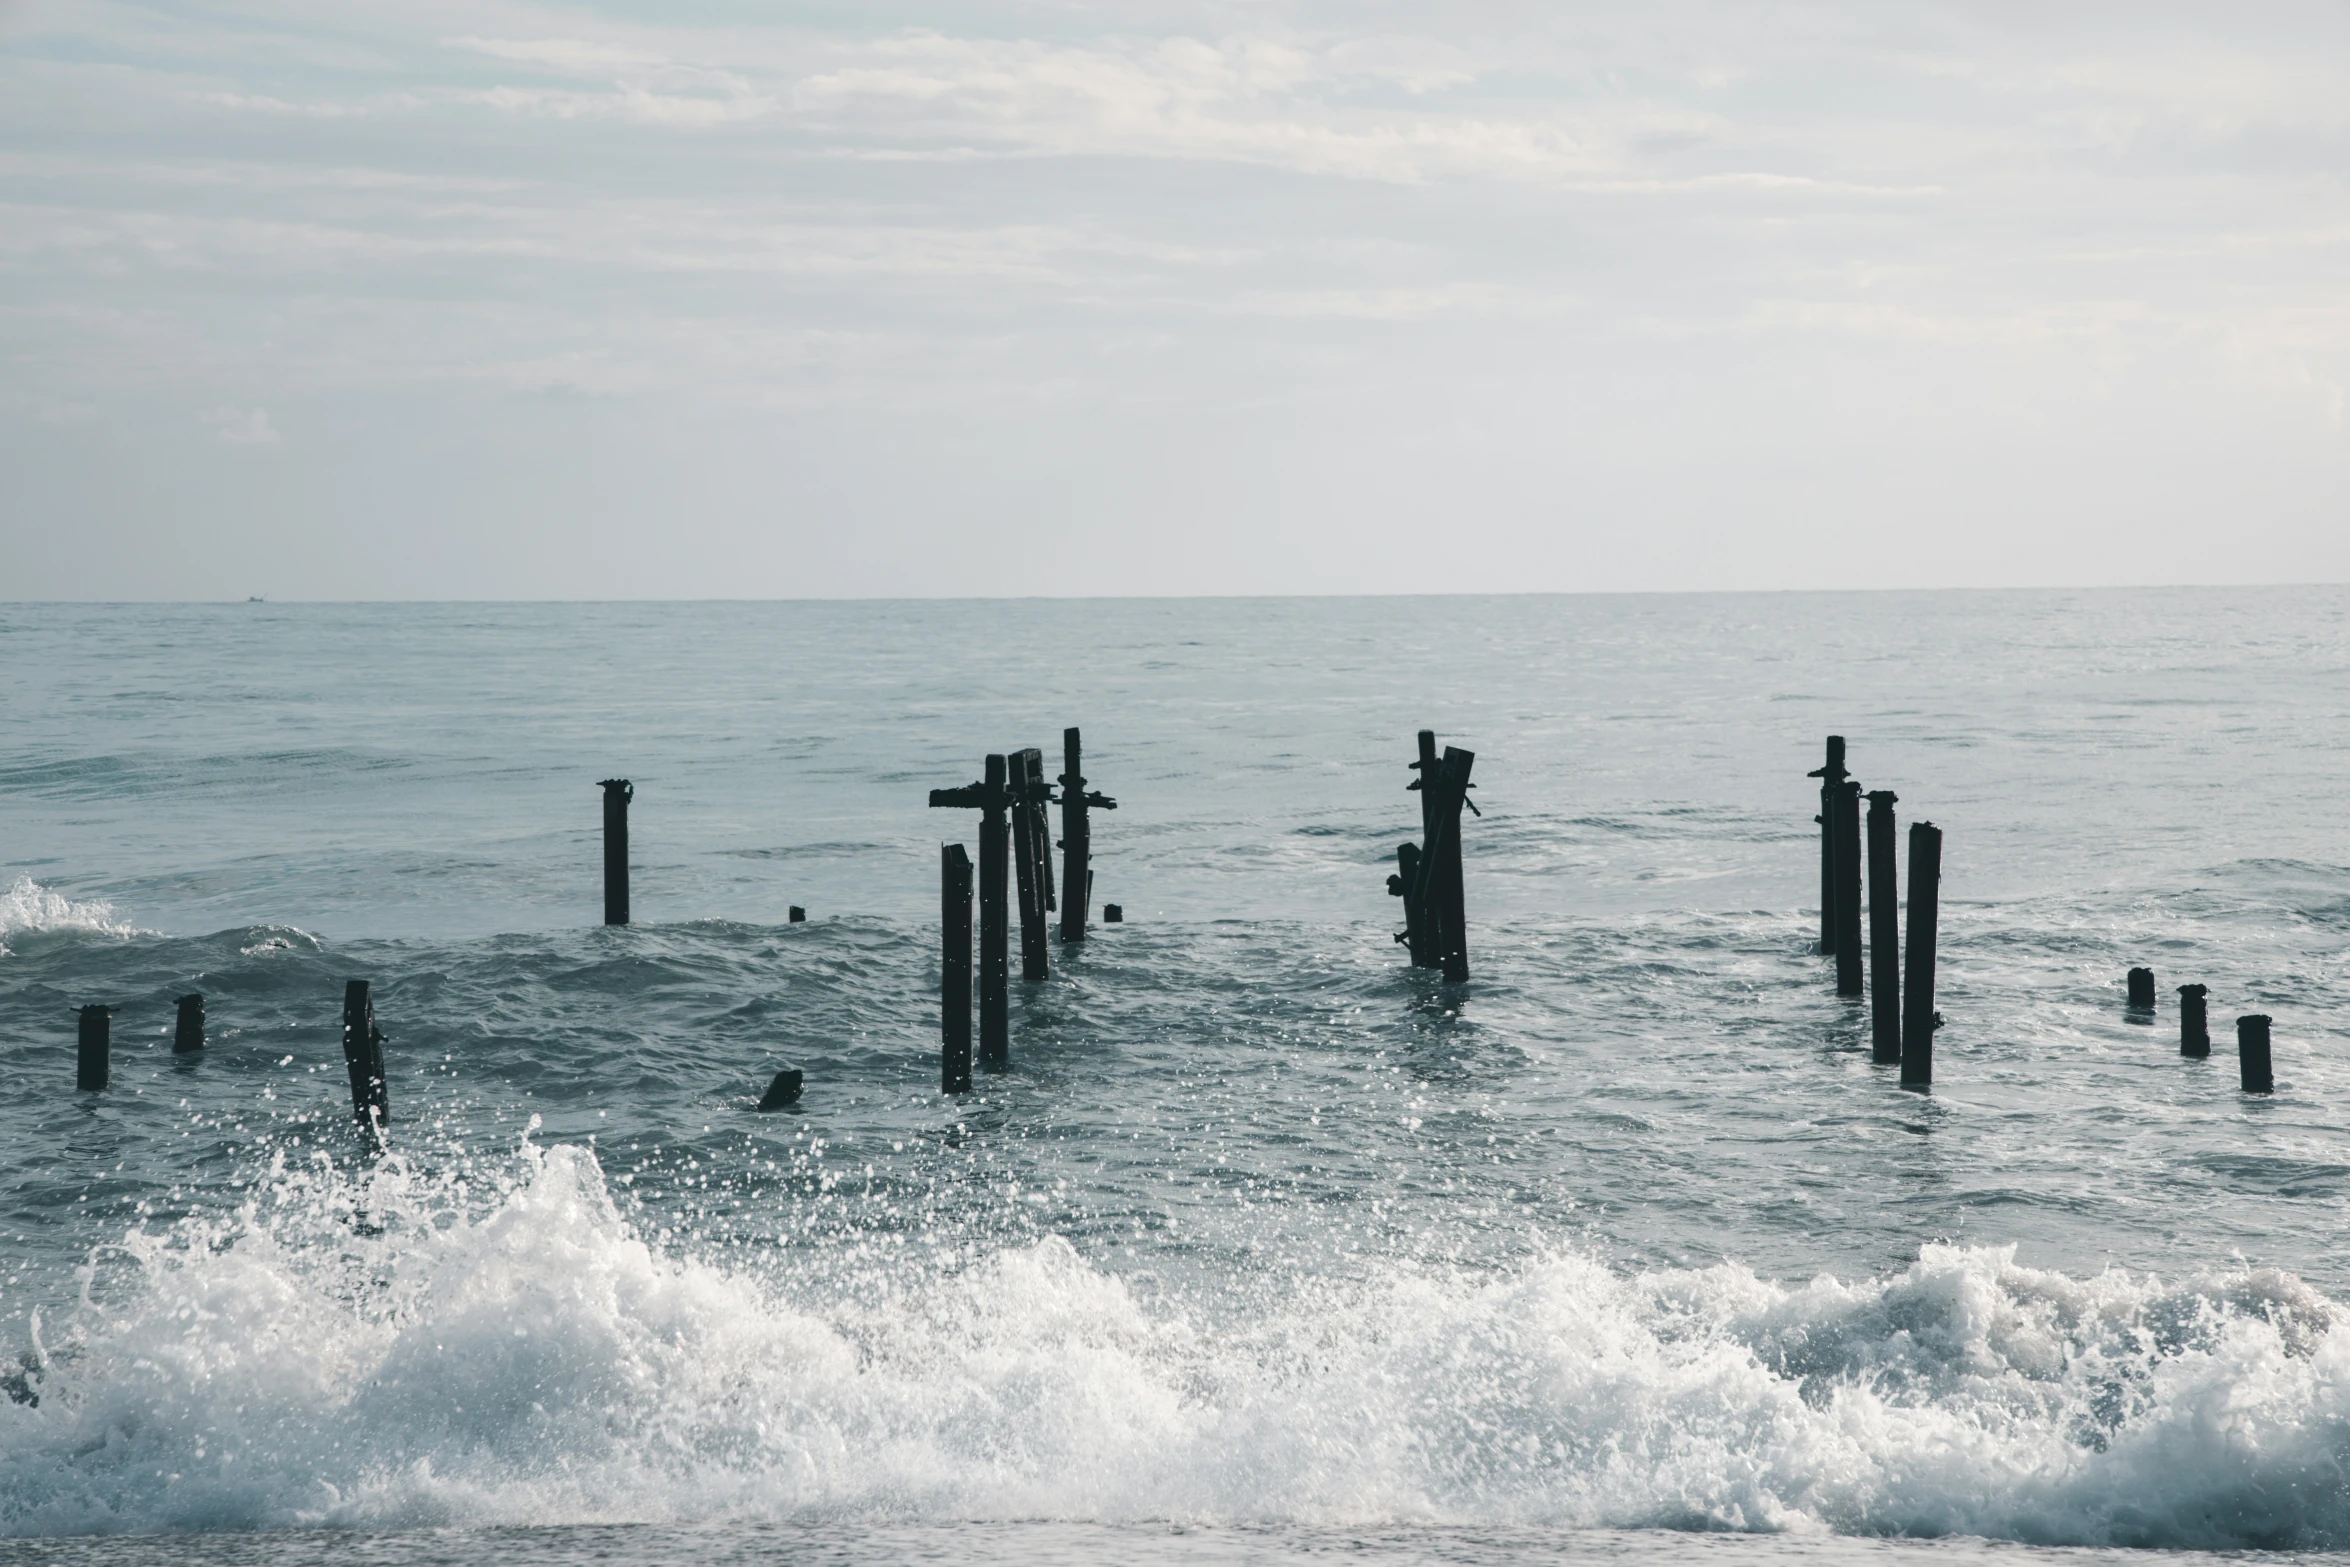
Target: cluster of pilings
x,y
1902,1019
1428,873
2253,1068
363,1053
1015,845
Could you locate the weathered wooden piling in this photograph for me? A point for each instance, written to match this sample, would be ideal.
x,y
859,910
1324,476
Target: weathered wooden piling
x,y
617,793
783,1090
1884,932
1404,884
187,1034
1113,914
363,1056
1848,946
993,799
795,915
94,1042
2194,1020
2252,1062
1030,862
1077,839
1918,1020
1830,775
1441,868
954,968
2141,990
1411,861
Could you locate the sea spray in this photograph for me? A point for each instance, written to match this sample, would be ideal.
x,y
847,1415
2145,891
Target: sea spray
x,y
386,1349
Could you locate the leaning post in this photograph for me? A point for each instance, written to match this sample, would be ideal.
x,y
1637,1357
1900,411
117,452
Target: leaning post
x,y
617,793
954,988
1918,1020
1884,933
363,1057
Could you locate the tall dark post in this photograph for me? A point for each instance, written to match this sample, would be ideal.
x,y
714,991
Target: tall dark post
x,y
1829,776
617,793
2141,989
1848,953
995,927
993,800
1884,932
954,966
2194,1020
1419,927
1076,842
187,1035
1918,1021
1033,871
93,1068
1444,910
2252,1054
363,1056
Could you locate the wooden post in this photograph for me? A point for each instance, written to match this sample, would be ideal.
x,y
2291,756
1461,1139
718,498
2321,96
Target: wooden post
x,y
2141,987
793,914
1076,840
993,798
363,1057
93,1066
1884,933
954,966
1404,884
1113,914
1829,776
783,1089
1848,953
2252,1054
1419,929
1034,872
617,793
1918,1021
2194,1020
1443,907
187,1034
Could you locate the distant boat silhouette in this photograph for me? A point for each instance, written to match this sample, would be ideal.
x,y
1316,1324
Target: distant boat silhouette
x,y
255,598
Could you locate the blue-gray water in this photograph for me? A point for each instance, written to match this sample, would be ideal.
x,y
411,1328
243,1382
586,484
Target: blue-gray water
x,y
1268,1247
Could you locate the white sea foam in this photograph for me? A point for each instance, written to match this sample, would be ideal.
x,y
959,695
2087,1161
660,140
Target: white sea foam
x,y
538,1361
29,908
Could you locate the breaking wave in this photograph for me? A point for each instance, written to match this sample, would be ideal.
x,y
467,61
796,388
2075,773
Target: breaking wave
x,y
401,1350
28,908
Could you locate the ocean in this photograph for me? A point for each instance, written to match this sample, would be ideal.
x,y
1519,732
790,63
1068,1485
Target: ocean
x,y
1268,1247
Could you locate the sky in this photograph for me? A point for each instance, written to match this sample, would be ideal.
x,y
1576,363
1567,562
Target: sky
x,y
716,298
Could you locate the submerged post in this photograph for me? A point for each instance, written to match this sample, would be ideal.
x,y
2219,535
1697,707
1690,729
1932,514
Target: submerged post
x,y
2141,990
2252,1054
1829,775
187,1034
93,1064
1848,953
1918,1021
1884,933
617,793
954,967
363,1056
2194,1020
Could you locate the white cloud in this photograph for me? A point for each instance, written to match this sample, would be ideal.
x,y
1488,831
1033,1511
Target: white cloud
x,y
234,426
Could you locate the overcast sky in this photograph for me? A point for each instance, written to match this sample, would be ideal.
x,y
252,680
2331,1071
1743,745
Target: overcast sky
x,y
395,298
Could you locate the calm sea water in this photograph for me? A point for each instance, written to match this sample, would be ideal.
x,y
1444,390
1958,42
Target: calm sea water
x,y
1268,1248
